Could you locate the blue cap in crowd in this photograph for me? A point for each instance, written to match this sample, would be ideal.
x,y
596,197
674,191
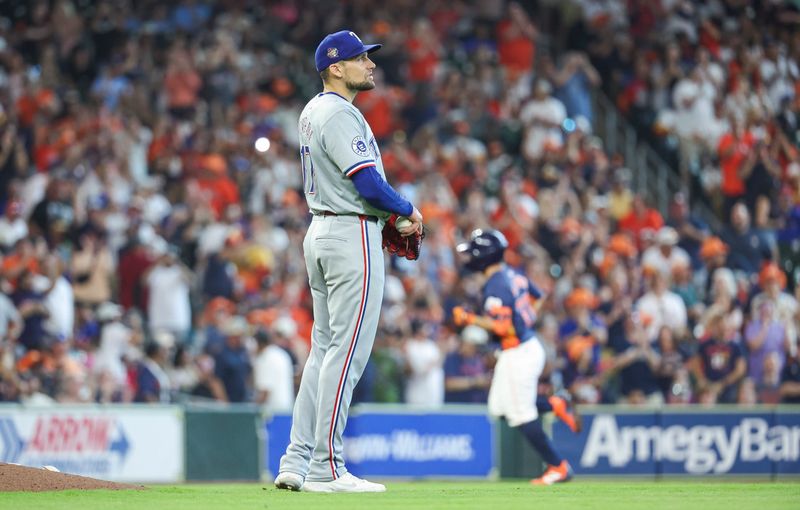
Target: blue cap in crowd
x,y
340,45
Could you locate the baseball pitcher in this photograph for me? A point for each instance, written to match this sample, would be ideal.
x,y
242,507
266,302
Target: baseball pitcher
x,y
347,193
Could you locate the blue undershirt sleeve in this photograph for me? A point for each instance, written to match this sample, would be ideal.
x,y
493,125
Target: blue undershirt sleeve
x,y
378,193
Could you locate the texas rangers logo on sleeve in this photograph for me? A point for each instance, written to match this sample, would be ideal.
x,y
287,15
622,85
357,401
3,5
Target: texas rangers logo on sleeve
x,y
360,146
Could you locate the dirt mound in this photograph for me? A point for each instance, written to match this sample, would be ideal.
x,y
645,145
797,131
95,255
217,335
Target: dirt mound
x,y
28,479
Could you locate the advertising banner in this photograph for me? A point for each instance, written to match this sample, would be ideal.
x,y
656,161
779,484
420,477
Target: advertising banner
x,y
710,444
405,444
690,442
786,440
126,444
603,447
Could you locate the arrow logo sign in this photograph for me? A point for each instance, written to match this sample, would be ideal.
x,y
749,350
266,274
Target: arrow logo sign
x,y
11,441
120,445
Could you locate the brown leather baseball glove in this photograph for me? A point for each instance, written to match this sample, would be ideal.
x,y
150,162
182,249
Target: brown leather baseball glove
x,y
402,246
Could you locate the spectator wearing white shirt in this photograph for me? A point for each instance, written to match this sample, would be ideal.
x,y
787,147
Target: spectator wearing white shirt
x,y
695,121
663,306
115,340
778,71
168,305
542,117
13,226
134,142
610,12
60,301
772,281
693,98
156,206
425,364
287,338
665,255
273,375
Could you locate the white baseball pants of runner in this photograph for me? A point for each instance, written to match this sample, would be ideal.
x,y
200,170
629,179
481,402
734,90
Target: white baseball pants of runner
x,y
515,383
344,259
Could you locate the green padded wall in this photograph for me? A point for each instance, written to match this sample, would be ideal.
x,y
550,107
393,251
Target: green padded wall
x,y
517,458
224,443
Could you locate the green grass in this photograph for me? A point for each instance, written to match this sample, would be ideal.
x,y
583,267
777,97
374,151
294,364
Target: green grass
x,y
582,494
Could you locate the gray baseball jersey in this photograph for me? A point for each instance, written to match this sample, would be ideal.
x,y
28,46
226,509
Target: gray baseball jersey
x,y
344,260
335,143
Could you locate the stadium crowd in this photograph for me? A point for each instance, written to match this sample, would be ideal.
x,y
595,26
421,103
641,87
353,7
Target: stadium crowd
x,y
152,211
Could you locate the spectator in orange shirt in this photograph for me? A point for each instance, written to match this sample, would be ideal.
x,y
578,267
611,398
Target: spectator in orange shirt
x,y
736,158
640,218
399,159
181,84
214,184
380,107
516,46
22,258
36,99
424,50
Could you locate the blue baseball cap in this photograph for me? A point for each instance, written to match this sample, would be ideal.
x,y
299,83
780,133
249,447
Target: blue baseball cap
x,y
338,46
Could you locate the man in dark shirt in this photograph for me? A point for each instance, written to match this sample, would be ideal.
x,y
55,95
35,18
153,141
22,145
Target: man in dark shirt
x,y
719,365
31,306
152,383
467,377
636,362
232,362
691,229
790,378
53,216
748,247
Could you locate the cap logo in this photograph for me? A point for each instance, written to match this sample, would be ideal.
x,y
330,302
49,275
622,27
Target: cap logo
x,y
333,52
354,35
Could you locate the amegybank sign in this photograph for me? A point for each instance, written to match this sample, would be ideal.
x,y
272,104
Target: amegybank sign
x,y
686,443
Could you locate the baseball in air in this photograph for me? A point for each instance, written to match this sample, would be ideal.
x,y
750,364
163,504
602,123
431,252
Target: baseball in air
x,y
402,222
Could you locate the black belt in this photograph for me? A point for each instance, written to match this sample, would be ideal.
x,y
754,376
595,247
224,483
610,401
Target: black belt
x,y
361,216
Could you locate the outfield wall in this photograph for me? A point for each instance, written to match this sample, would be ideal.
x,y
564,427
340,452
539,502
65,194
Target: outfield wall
x,y
169,444
615,441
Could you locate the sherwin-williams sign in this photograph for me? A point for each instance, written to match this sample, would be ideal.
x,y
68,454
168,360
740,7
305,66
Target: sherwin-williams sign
x,y
410,444
684,442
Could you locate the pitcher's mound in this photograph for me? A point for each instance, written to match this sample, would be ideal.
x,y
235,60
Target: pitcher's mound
x,y
22,478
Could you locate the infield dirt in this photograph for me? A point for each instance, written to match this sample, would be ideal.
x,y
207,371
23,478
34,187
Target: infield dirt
x,y
28,479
